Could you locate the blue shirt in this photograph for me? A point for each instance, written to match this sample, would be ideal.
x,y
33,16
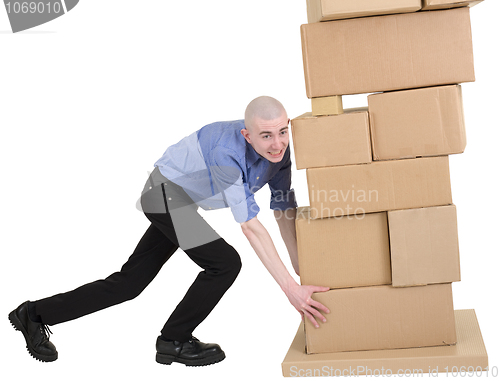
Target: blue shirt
x,y
217,168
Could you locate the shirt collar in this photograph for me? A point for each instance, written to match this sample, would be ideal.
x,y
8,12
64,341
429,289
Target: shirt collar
x,y
251,155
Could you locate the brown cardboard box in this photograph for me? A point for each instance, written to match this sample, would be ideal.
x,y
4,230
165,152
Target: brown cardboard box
x,y
390,52
349,251
417,246
327,105
324,10
444,4
420,122
332,140
379,186
468,353
383,317
424,246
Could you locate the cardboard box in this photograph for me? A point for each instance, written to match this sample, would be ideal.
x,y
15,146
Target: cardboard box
x,y
468,353
390,52
379,186
424,246
445,4
349,251
332,140
415,123
401,248
327,105
324,10
383,317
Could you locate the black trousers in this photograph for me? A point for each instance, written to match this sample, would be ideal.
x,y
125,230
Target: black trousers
x,y
170,210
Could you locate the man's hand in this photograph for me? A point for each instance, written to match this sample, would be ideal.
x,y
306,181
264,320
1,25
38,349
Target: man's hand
x,y
300,297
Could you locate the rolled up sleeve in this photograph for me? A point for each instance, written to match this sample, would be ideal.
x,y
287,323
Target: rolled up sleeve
x,y
227,179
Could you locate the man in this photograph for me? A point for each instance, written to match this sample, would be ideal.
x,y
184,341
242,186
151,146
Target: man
x,y
221,165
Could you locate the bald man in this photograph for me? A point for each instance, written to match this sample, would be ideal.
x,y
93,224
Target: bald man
x,y
221,165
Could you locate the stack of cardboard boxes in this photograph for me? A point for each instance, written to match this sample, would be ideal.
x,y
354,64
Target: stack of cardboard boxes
x,y
381,228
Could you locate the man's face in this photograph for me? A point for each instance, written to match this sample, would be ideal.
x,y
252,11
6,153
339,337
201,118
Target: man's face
x,y
269,138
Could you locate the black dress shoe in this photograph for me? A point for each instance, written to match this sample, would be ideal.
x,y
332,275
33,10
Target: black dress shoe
x,y
35,334
190,353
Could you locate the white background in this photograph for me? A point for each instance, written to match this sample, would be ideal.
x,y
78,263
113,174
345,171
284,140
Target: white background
x,y
89,101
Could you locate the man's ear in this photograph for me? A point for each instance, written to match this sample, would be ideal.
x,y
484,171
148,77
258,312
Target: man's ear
x,y
246,135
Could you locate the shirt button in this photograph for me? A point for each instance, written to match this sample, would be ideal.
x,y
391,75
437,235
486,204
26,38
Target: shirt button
x,y
170,199
150,187
258,177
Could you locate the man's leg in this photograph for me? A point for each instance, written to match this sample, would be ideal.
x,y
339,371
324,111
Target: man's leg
x,y
31,319
152,251
221,265
220,262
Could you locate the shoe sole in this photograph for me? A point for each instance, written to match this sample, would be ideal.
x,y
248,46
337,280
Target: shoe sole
x,y
168,359
16,323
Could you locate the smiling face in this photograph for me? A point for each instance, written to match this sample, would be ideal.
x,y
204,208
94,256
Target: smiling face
x,y
269,138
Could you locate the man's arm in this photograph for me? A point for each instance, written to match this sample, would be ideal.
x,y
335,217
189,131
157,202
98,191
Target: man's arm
x,y
286,223
299,296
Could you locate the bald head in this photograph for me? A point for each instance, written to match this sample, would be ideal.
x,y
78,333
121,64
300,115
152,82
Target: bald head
x,y
264,108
